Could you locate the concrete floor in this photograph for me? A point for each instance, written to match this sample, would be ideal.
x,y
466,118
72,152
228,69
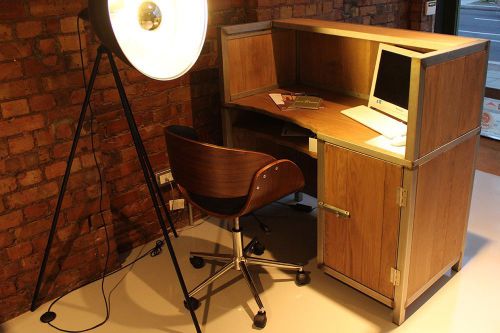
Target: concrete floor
x,y
147,297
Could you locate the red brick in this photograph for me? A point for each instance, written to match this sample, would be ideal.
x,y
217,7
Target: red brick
x,y
7,288
19,251
10,70
53,26
47,46
68,232
105,81
21,124
55,170
9,270
6,239
12,10
28,29
37,66
29,178
23,198
14,108
10,220
43,155
5,32
42,102
44,138
64,131
88,160
15,50
7,185
55,7
68,24
28,231
67,80
19,163
73,61
21,144
18,88
70,43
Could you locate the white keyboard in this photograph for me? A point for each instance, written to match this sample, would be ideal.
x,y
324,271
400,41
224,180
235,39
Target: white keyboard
x,y
385,125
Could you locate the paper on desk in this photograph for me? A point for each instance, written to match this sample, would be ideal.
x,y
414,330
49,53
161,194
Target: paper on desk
x,y
384,143
277,98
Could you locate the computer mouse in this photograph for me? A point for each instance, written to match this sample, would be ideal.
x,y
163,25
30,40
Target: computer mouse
x,y
398,141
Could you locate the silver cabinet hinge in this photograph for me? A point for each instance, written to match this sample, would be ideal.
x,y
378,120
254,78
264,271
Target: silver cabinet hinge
x,y
402,197
395,276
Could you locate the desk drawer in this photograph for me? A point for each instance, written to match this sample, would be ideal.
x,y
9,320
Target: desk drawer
x,y
360,217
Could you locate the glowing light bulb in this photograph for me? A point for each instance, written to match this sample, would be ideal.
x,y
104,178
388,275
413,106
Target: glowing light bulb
x,y
149,15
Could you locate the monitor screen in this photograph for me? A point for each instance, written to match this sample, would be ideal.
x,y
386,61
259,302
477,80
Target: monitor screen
x,y
393,79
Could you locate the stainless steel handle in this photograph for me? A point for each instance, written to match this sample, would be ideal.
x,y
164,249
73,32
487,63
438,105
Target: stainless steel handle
x,y
339,212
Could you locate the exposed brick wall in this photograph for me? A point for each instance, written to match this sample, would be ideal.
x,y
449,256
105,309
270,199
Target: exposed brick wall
x,y
40,99
391,13
38,107
418,20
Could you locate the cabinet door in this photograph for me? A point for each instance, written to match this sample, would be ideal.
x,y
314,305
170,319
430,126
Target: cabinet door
x,y
364,246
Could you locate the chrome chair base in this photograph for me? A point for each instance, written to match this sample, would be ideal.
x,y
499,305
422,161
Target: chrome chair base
x,y
239,261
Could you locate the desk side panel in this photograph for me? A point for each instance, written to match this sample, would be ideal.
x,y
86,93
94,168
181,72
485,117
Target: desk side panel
x,y
257,61
441,212
337,63
453,94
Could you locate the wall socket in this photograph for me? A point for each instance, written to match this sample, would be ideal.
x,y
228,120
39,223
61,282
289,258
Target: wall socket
x,y
430,7
176,204
164,177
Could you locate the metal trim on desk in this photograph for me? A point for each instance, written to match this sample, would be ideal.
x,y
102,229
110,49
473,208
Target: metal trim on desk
x,y
356,285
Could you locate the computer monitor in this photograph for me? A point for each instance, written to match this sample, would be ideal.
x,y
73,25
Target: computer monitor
x,y
390,90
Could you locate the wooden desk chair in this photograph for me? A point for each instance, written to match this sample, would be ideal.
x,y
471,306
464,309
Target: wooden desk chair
x,y
229,183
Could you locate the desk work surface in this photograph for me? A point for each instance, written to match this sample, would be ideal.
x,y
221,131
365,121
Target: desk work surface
x,y
328,123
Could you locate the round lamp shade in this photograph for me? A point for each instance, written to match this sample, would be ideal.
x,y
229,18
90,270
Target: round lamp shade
x,y
160,38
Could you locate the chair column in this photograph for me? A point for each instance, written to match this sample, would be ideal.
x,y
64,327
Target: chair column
x,y
237,244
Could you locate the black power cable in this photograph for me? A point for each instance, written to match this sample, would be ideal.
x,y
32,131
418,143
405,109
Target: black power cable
x,y
49,315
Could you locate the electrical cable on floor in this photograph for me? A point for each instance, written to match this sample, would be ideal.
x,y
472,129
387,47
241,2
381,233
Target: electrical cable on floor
x,y
153,252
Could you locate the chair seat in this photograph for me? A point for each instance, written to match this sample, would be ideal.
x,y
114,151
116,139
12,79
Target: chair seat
x,y
222,206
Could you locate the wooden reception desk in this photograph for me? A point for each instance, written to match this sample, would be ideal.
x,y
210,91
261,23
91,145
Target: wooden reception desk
x,y
408,207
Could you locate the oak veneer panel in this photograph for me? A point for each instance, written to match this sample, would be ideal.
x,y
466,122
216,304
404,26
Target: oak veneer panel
x,y
473,89
344,64
364,246
452,100
441,212
260,61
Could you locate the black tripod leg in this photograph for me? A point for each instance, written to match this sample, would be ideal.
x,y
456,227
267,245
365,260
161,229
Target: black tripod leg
x,y
66,178
142,159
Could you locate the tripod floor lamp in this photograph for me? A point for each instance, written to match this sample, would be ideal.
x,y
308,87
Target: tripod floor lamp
x,y
162,39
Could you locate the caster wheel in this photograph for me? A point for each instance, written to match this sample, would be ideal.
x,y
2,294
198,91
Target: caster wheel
x,y
302,278
258,248
260,319
197,262
195,304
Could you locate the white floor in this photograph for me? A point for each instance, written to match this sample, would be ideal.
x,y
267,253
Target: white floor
x,y
148,297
